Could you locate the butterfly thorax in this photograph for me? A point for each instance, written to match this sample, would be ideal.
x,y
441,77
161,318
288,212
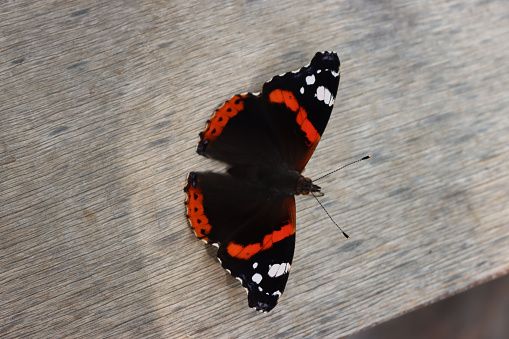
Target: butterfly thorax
x,y
276,181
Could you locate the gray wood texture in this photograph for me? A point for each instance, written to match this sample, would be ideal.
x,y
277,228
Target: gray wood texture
x,y
101,105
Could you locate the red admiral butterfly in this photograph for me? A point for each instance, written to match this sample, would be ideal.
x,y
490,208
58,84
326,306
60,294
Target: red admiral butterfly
x,y
267,139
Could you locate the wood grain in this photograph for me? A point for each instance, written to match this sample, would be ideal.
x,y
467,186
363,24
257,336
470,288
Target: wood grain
x,y
101,105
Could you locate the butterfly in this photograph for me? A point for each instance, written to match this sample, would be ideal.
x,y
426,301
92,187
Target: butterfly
x,y
266,139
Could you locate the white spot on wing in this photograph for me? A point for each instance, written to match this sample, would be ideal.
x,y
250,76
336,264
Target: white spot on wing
x,y
320,93
328,96
310,79
281,270
323,94
277,293
257,277
277,270
255,265
302,90
273,270
334,73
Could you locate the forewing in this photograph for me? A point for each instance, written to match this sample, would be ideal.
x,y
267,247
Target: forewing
x,y
300,104
240,132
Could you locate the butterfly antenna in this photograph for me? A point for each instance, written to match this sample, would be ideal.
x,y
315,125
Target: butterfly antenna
x,y
354,162
346,235
323,176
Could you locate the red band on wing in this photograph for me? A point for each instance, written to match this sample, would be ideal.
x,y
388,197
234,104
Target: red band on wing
x,y
288,98
245,252
224,113
195,212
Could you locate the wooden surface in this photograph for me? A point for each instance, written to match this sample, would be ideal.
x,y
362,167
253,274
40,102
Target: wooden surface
x,y
101,105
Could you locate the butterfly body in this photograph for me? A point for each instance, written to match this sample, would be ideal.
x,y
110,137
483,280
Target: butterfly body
x,y
275,181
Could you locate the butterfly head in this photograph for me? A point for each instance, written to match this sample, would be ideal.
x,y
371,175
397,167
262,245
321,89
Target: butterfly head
x,y
305,186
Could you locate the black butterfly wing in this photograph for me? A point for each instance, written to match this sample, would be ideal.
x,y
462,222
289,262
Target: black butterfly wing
x,y
255,232
240,132
300,104
282,126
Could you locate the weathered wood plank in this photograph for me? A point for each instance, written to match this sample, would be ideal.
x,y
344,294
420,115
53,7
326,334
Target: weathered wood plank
x,y
101,105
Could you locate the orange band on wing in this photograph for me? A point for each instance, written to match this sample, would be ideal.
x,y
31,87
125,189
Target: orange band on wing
x,y
288,99
224,113
245,252
195,212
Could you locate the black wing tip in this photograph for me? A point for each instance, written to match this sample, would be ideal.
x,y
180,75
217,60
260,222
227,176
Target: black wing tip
x,y
262,307
327,57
